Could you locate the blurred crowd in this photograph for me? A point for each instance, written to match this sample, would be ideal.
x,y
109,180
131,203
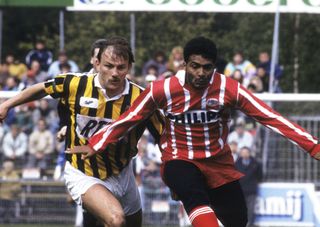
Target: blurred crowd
x,y
28,135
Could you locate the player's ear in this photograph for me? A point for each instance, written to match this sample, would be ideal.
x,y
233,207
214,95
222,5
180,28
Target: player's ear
x,y
96,61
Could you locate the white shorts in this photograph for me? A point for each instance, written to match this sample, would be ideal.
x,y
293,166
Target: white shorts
x,y
122,186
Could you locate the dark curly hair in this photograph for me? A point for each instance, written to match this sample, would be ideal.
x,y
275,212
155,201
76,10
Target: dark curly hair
x,y
121,48
200,46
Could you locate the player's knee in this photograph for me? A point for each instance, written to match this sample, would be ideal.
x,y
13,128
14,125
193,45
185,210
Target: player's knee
x,y
116,220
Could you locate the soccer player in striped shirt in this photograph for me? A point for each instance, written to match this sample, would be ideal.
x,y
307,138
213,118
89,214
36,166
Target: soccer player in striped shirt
x,y
104,184
197,162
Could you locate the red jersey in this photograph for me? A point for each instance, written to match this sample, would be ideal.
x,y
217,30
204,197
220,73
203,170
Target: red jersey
x,y
197,121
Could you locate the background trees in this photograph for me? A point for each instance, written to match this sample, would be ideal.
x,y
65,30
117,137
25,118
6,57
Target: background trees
x,y
250,33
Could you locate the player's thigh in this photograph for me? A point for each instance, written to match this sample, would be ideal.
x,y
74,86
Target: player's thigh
x,y
134,220
229,204
102,203
187,181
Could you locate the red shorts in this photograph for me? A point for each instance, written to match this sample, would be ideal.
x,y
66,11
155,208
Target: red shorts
x,y
217,171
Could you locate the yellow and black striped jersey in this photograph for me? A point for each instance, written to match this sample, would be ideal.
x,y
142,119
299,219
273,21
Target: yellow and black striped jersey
x,y
87,109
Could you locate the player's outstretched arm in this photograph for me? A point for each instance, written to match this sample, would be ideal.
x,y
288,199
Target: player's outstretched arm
x,y
140,110
254,107
32,93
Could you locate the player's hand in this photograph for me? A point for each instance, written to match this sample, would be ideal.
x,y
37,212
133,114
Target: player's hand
x,y
315,152
85,151
62,133
317,156
3,112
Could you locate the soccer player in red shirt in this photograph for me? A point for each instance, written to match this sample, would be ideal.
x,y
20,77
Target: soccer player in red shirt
x,y
197,161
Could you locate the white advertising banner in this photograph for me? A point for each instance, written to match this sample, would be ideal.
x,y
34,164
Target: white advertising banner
x,y
245,6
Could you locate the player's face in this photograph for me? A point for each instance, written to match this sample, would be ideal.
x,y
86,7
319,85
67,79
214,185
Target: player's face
x,y
199,71
112,72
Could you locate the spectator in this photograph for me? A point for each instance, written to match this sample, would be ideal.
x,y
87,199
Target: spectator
x,y
158,61
15,144
261,73
13,84
65,67
152,70
44,111
41,54
240,135
245,66
252,171
36,72
234,150
265,63
23,117
176,60
4,74
16,68
8,191
237,75
40,149
147,160
55,69
256,82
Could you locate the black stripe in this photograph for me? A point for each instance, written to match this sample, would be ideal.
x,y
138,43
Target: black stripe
x,y
94,166
105,157
67,118
120,147
94,94
60,80
153,131
93,113
105,154
126,100
108,110
80,91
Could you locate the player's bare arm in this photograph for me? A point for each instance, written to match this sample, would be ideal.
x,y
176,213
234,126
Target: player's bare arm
x,y
32,93
317,156
85,151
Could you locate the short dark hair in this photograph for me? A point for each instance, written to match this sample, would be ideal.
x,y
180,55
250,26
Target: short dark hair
x,y
65,65
200,46
99,43
121,48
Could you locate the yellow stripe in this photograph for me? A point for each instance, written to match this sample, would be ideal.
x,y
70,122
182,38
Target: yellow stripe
x,y
116,108
87,168
101,105
100,113
101,166
49,90
156,123
85,111
135,93
71,100
59,88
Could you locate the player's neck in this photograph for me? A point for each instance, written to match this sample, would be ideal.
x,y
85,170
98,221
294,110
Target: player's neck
x,y
115,92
